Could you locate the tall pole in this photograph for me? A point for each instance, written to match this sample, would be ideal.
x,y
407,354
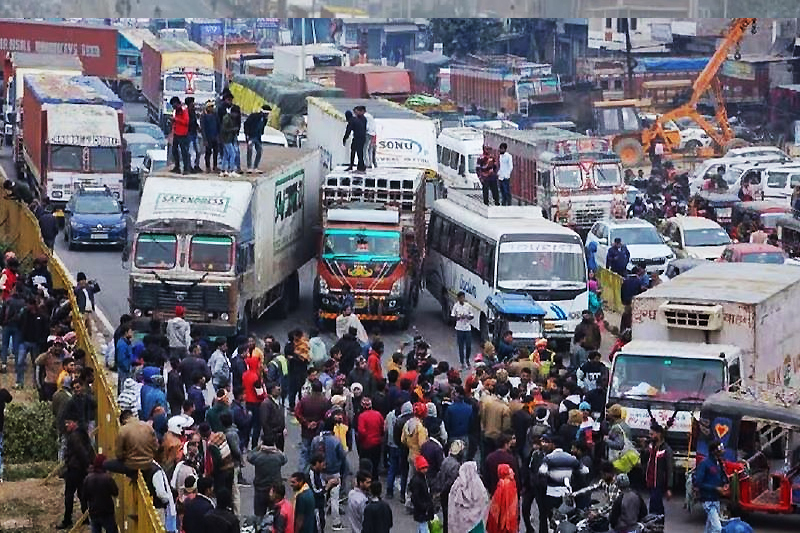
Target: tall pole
x,y
303,53
629,57
225,52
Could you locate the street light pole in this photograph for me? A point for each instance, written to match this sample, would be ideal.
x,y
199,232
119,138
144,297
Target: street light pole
x,y
303,53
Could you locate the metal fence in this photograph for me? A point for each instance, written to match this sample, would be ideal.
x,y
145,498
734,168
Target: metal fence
x,y
611,284
20,230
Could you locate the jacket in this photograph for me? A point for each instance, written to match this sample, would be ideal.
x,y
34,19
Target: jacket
x,y
331,447
374,365
414,436
617,259
214,413
190,366
178,333
591,261
457,419
421,500
229,130
136,444
250,380
658,466
220,368
377,517
195,395
175,391
310,412
254,125
78,453
272,419
51,364
370,429
152,397
708,478
267,463
495,417
358,127
209,125
124,355
40,276
100,489
194,513
180,122
33,326
626,511
222,521
79,407
80,296
192,126
495,459
587,334
356,502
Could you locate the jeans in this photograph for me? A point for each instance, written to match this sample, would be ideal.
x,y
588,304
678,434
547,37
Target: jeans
x,y
357,150
464,340
237,156
305,455
490,185
656,504
713,523
374,456
505,191
422,527
333,498
180,152
11,340
260,502
212,148
194,150
394,470
22,355
104,523
255,426
254,143
228,158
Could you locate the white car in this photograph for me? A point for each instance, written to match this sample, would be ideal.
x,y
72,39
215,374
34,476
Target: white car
x,y
692,135
695,237
646,246
720,165
271,137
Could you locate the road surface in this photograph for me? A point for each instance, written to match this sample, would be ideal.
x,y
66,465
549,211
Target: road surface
x,y
106,266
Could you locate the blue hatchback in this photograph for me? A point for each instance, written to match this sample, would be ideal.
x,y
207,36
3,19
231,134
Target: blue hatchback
x,y
93,217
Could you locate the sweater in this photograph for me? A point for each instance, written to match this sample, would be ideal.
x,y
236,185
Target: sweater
x,y
100,490
370,429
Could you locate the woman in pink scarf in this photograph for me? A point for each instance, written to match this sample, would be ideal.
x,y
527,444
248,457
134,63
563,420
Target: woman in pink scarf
x,y
504,510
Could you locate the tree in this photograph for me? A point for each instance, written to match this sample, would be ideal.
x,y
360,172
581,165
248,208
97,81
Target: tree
x,y
461,37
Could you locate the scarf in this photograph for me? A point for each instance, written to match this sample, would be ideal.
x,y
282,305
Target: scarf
x,y
504,513
469,501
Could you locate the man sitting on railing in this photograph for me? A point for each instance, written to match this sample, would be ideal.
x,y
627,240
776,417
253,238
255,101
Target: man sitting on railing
x,y
136,447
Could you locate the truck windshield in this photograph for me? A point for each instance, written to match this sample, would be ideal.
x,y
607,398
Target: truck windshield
x,y
175,84
362,245
66,158
105,158
607,175
155,251
568,177
210,253
665,378
541,265
203,84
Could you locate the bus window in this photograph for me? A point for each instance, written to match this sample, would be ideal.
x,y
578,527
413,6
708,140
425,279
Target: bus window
x,y
439,152
457,244
444,237
444,156
474,254
435,232
454,160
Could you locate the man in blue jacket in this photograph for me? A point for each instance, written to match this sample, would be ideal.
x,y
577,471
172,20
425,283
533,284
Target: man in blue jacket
x,y
618,258
328,445
152,395
712,483
124,355
209,127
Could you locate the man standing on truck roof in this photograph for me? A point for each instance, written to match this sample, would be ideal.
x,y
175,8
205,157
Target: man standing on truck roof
x,y
357,125
194,127
370,150
504,174
180,136
487,174
253,130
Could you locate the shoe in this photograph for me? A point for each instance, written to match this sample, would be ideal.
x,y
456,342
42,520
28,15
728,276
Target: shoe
x,y
234,175
223,174
197,170
18,386
64,525
348,169
176,170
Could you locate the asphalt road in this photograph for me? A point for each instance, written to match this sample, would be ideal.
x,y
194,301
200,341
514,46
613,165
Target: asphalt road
x,y
106,266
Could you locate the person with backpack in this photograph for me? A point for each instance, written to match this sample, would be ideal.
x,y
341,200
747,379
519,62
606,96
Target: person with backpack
x,y
330,447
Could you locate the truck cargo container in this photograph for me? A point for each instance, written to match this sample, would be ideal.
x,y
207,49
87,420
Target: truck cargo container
x,y
714,326
71,136
322,58
371,81
373,239
175,67
405,138
425,68
226,249
575,179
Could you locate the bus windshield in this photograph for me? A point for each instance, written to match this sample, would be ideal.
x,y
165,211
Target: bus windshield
x,y
541,265
156,251
665,378
568,177
362,245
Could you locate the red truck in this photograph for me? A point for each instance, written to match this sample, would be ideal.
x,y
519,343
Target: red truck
x,y
369,81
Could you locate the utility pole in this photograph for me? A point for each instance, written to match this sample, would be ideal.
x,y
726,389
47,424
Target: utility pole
x,y
225,52
303,53
629,57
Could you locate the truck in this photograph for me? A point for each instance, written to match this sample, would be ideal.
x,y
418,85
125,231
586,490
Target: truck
x,y
128,82
175,67
575,179
16,66
405,138
372,243
373,81
716,326
227,249
71,136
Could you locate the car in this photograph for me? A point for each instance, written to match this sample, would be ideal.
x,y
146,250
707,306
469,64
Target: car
x,y
692,135
746,252
695,237
270,137
148,129
153,161
94,217
646,246
721,165
138,144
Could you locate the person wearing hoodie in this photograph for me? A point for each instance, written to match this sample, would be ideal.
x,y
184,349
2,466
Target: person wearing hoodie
x,y
403,414
434,424
254,394
414,435
179,334
209,126
370,435
591,260
421,499
152,395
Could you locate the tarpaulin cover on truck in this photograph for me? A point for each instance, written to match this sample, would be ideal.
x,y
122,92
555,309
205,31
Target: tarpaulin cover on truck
x,y
49,89
286,94
425,67
182,53
670,64
387,83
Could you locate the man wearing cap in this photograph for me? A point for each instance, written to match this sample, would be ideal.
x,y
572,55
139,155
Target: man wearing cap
x,y
179,334
180,136
210,126
711,481
421,499
254,127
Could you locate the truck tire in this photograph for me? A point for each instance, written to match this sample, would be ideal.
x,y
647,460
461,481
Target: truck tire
x,y
630,152
128,93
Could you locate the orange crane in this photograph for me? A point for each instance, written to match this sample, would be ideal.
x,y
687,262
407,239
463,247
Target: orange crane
x,y
707,80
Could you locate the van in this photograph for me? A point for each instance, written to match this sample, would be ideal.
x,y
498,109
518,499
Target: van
x,y
780,182
458,151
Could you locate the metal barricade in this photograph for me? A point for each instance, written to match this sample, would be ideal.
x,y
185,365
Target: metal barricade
x,y
611,284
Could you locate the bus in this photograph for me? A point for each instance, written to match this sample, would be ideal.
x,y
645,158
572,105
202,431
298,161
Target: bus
x,y
458,150
483,250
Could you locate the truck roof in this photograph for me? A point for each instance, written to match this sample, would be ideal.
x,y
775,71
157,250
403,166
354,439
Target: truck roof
x,y
747,283
83,125
168,44
376,107
55,89
679,349
48,61
538,134
137,36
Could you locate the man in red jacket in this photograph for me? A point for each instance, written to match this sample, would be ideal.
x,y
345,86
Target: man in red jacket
x,y
310,413
370,435
180,136
374,362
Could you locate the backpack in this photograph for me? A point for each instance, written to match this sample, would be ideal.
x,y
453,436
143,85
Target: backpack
x,y
397,431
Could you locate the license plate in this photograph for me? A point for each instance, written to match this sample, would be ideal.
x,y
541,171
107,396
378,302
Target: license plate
x,y
99,236
724,212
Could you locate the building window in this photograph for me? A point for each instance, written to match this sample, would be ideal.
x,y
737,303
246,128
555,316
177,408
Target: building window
x,y
608,24
621,22
634,24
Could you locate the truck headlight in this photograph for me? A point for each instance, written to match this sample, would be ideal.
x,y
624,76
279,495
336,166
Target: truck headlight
x,y
398,288
323,286
224,316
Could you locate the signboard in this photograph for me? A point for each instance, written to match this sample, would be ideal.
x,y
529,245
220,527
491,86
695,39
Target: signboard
x,y
267,23
739,70
406,143
541,247
206,204
289,195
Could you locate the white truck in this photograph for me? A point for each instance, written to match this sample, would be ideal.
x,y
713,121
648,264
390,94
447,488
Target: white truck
x,y
226,249
717,325
405,138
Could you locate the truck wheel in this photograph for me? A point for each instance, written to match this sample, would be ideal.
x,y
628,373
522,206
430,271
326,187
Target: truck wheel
x,y
128,93
630,152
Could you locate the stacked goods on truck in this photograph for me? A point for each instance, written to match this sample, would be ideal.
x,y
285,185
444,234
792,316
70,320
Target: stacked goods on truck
x,y
71,136
405,138
226,249
509,83
575,179
175,67
373,238
371,81
714,326
424,68
17,65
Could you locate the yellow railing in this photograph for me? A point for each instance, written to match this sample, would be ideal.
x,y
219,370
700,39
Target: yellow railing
x,y
611,284
20,230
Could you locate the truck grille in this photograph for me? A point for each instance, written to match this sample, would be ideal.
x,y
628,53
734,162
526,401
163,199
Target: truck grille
x,y
199,301
588,216
686,316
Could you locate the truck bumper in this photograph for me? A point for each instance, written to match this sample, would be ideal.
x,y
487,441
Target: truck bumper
x,y
208,329
370,309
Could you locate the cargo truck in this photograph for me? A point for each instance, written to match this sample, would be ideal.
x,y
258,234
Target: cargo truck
x,y
575,179
372,81
175,67
226,249
71,136
372,243
405,138
715,326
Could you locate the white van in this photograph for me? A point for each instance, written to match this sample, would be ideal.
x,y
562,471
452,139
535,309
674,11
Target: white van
x,y
779,182
459,150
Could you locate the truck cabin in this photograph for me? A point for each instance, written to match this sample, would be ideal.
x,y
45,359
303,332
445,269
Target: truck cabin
x,y
582,165
185,246
184,82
